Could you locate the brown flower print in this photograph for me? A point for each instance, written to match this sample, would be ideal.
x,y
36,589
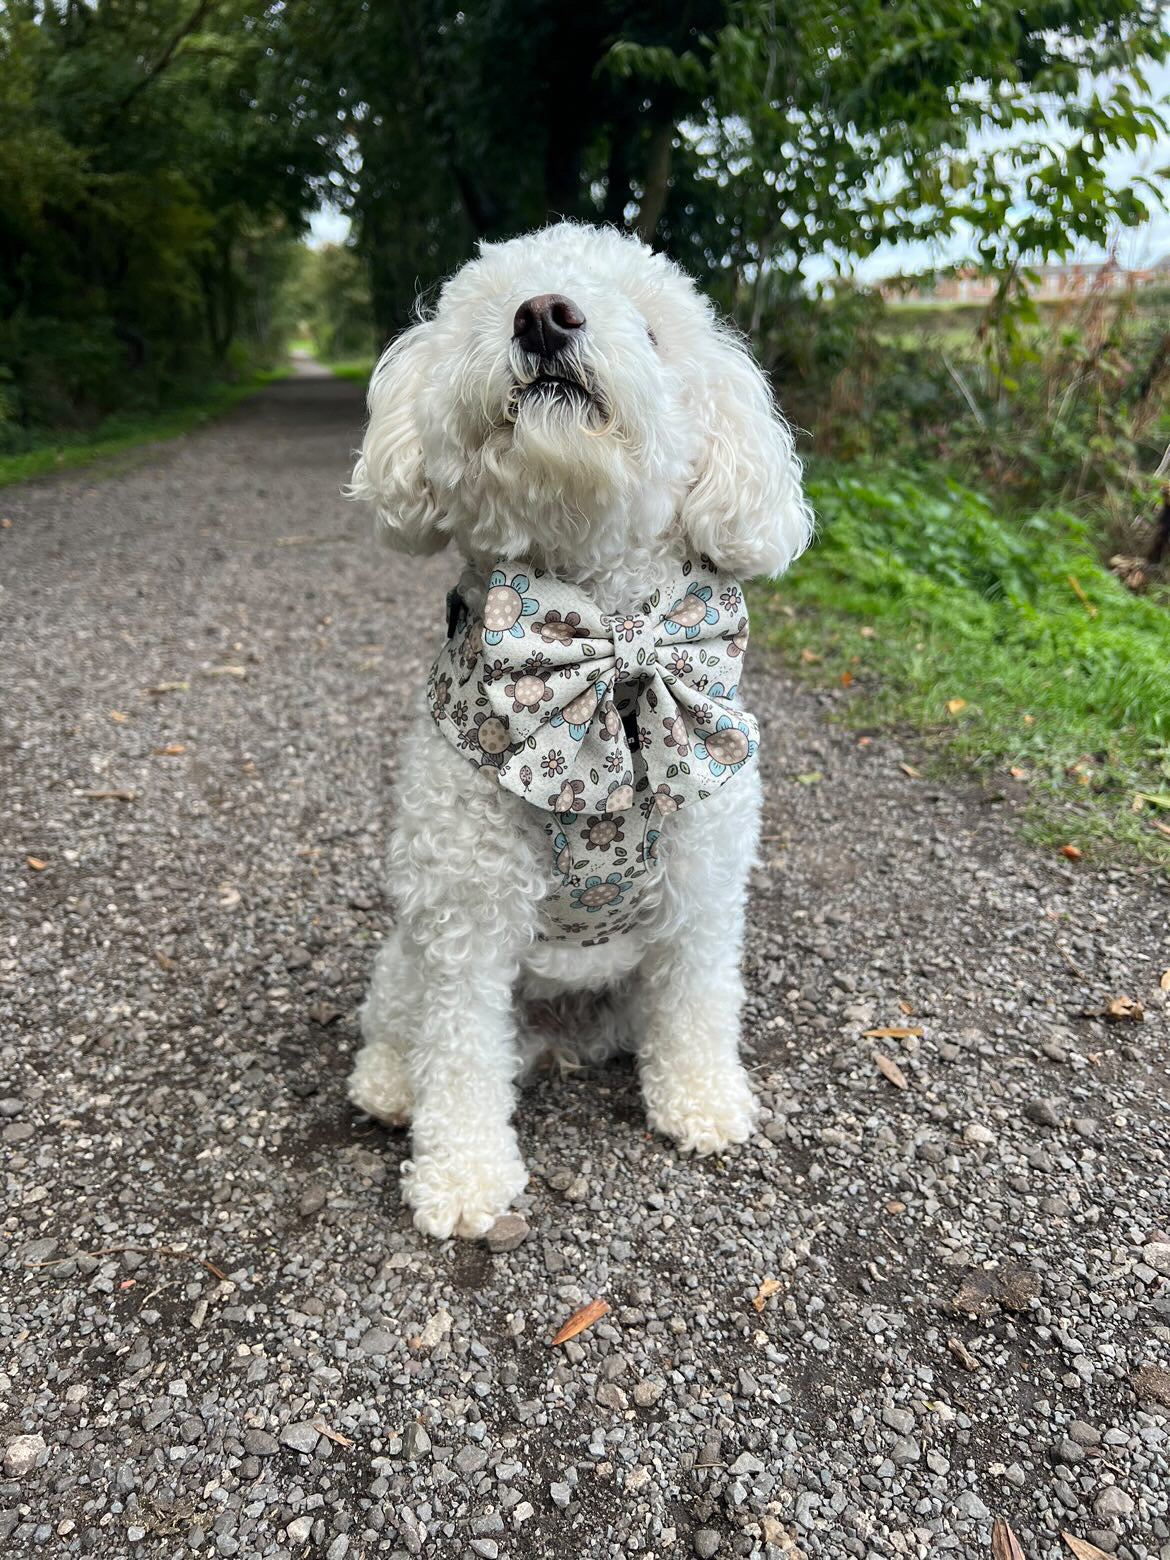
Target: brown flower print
x,y
681,663
737,642
625,627
731,599
558,630
553,763
663,800
677,735
568,798
528,693
603,832
440,693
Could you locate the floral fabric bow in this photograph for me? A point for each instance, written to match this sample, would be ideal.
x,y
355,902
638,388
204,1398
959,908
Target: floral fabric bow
x,y
583,712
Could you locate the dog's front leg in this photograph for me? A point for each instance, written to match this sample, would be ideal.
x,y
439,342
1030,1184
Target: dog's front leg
x,y
694,1085
468,886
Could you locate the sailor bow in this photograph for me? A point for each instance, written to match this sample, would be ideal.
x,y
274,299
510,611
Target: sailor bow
x,y
582,711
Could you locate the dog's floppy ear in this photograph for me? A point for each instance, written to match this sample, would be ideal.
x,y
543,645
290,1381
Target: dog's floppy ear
x,y
390,471
745,508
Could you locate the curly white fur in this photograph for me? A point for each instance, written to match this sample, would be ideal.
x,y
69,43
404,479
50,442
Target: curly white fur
x,y
680,450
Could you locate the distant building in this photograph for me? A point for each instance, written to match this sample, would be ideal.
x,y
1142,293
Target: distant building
x,y
1056,282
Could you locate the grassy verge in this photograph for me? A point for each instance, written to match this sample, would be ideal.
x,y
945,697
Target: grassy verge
x,y
1004,641
125,431
358,369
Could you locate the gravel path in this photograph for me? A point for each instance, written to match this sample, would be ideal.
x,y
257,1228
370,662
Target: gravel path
x,y
914,1304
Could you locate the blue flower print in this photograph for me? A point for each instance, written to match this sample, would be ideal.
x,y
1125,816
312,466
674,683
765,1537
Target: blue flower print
x,y
596,892
506,604
718,691
691,612
728,746
580,711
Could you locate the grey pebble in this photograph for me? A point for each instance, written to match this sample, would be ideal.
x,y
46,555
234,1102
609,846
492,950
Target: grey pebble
x,y
707,1542
508,1232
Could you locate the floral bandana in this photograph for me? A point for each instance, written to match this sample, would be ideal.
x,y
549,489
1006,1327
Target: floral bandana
x,y
604,722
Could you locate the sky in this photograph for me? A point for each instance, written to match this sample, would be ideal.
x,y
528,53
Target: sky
x,y
1136,247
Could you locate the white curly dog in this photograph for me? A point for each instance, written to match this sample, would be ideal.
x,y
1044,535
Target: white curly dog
x,y
572,403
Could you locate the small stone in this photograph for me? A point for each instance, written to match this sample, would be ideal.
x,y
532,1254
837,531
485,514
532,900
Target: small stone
x,y
486,1547
1157,1256
312,1201
1043,1112
905,1451
300,1529
509,1231
301,1437
969,1505
1083,1434
707,1542
415,1442
647,1393
338,1549
899,1419
978,1134
746,1463
561,1494
376,1340
610,1395
1112,1502
21,1455
1069,1452
258,1443
470,1459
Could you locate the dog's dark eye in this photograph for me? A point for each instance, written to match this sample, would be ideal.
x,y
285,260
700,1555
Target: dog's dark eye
x,y
653,337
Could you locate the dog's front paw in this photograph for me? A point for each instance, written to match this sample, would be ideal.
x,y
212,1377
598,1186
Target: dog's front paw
x,y
379,1084
460,1195
703,1115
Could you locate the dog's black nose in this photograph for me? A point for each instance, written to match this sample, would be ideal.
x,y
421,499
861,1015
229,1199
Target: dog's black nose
x,y
545,325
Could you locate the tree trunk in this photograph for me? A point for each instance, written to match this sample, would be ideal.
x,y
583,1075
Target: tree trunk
x,y
658,162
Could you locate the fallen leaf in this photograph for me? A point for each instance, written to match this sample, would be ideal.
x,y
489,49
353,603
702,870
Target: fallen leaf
x,y
1029,720
1124,1010
170,750
1164,983
330,1434
580,1320
765,1292
1016,1286
813,777
119,716
225,671
435,1329
975,1294
229,896
109,794
1004,1543
1152,1381
809,657
890,1069
170,687
1083,1549
322,1013
36,863
895,1207
867,632
955,705
1162,828
127,1283
1017,773
909,769
1072,852
892,1034
963,1354
164,961
846,679
905,1007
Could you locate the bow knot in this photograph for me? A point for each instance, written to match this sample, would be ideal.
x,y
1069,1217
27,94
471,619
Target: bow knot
x,y
588,712
635,645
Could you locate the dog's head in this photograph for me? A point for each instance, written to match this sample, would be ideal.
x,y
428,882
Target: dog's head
x,y
573,395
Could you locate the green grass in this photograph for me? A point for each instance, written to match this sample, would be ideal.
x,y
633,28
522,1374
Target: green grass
x,y
126,431
352,368
1003,640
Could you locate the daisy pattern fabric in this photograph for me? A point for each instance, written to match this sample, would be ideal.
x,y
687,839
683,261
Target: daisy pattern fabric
x,y
607,723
